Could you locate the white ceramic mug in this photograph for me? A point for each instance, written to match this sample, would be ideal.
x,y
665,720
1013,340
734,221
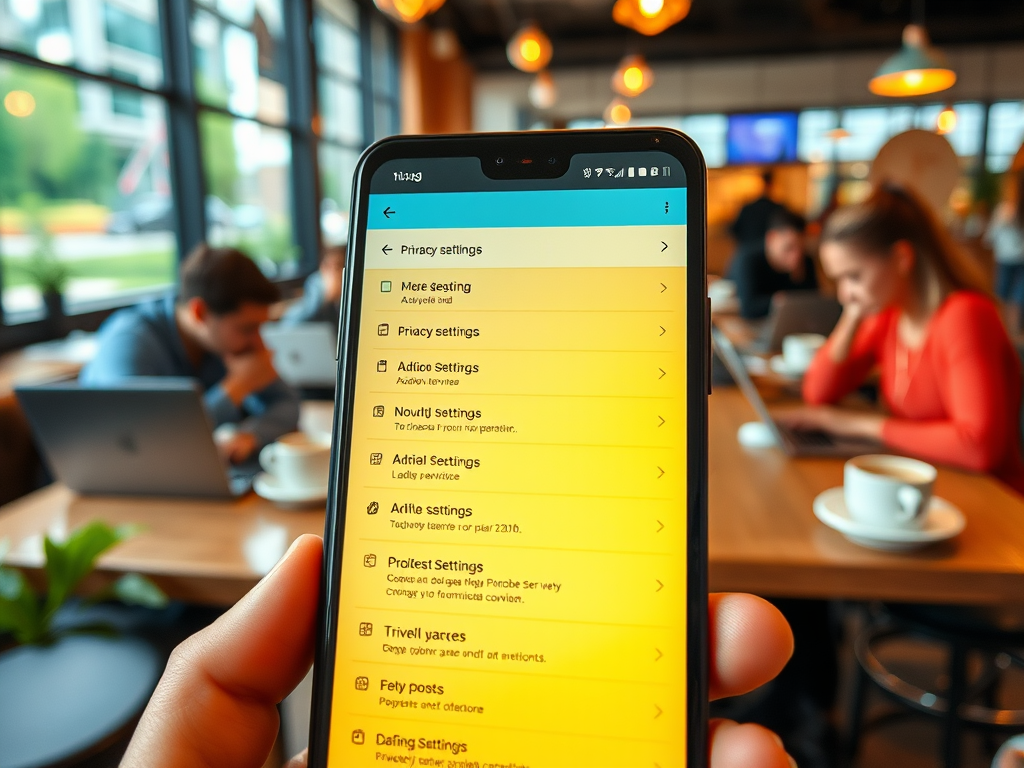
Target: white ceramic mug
x,y
888,491
799,349
297,461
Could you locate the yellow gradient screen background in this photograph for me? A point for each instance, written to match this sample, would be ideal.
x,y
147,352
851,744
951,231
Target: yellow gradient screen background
x,y
514,570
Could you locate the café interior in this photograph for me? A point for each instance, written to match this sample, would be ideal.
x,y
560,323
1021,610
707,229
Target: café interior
x,y
139,138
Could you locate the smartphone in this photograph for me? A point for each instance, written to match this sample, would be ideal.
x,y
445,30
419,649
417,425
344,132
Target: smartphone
x,y
515,549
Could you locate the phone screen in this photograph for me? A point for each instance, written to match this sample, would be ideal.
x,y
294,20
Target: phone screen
x,y
514,572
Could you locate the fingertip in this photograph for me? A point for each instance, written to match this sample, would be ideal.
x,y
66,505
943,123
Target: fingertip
x,y
747,746
750,643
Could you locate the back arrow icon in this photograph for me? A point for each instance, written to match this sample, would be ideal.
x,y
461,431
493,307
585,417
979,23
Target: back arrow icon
x,y
387,249
388,212
664,245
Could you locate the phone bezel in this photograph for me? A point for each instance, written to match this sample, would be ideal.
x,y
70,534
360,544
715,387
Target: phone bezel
x,y
542,143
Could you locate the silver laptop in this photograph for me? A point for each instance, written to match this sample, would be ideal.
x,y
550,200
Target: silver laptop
x,y
794,442
304,355
796,312
149,437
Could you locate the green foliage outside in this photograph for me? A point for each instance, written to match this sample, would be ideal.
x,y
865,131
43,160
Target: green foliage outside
x,y
29,618
131,271
47,153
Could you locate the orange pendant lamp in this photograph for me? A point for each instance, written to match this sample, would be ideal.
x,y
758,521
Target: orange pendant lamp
x,y
916,69
530,49
408,11
650,17
946,121
633,76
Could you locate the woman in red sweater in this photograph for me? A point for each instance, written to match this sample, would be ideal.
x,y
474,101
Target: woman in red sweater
x,y
922,313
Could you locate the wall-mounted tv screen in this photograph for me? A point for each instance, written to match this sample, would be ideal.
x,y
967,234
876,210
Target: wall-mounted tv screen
x,y
762,138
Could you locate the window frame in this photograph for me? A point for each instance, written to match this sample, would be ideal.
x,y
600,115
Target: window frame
x,y
183,108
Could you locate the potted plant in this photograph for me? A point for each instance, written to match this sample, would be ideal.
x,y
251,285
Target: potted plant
x,y
49,274
70,687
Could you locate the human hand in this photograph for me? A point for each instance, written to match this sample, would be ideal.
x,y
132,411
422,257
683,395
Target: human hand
x,y
237,447
841,422
216,704
247,373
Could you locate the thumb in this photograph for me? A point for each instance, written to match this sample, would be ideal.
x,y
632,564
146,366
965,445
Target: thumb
x,y
216,704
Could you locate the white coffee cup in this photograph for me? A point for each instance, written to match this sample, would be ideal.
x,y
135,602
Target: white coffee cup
x,y
888,491
297,461
799,349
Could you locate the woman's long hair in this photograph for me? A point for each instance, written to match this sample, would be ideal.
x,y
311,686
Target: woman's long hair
x,y
891,214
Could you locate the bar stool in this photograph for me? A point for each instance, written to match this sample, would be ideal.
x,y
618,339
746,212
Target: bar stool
x,y
964,703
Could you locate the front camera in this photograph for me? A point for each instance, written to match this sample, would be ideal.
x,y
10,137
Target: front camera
x,y
499,160
552,160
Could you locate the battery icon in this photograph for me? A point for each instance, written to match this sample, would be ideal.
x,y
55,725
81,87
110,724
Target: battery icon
x,y
632,172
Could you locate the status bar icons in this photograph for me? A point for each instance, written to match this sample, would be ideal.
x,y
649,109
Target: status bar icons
x,y
631,172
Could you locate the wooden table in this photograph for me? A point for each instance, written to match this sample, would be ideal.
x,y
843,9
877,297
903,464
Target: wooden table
x,y
763,536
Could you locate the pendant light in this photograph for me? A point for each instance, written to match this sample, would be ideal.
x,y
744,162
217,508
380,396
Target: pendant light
x,y
543,93
946,121
529,50
618,112
650,17
633,76
916,69
408,11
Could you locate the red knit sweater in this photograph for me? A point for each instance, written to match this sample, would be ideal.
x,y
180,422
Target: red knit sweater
x,y
957,400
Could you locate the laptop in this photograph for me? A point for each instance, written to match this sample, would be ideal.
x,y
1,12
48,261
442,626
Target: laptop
x,y
793,442
148,437
305,355
796,312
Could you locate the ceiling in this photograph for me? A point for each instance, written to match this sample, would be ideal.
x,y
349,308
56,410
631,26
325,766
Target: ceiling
x,y
583,32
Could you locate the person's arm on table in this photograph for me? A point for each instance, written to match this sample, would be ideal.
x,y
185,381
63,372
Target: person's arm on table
x,y
978,429
846,359
216,704
274,411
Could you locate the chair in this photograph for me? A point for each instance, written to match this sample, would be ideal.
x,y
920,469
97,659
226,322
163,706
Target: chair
x,y
965,632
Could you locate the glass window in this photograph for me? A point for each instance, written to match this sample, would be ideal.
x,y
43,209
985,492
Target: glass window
x,y
126,36
122,100
337,48
341,111
240,61
869,129
1005,134
385,118
337,166
130,30
248,181
384,72
84,190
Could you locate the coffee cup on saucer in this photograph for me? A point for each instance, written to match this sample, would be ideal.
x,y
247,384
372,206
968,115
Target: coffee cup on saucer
x,y
297,462
799,349
888,491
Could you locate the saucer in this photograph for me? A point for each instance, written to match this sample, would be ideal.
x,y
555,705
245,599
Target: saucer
x,y
942,521
778,365
270,488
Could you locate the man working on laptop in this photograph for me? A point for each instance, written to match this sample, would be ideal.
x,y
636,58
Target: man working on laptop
x,y
209,332
780,264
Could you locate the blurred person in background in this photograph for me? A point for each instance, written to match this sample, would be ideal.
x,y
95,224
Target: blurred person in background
x,y
321,295
916,307
209,332
751,224
778,263
1005,235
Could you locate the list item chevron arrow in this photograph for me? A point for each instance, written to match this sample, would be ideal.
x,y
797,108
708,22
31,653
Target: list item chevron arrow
x,y
663,287
662,330
662,420
660,654
660,585
660,526
661,472
664,245
662,373
656,716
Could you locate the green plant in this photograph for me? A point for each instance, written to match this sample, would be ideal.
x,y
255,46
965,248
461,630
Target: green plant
x,y
30,619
